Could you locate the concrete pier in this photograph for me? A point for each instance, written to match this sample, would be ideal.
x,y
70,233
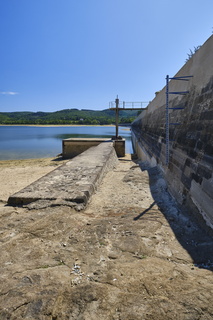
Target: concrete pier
x,y
71,184
74,146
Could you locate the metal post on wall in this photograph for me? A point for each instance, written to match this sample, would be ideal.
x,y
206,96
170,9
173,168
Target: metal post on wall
x,y
182,78
167,120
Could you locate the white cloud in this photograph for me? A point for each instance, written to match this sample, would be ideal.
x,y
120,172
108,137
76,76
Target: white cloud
x,y
10,93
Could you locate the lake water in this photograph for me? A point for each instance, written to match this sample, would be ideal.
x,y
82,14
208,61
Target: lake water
x,y
23,142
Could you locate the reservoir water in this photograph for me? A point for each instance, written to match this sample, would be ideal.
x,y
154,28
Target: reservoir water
x,y
28,142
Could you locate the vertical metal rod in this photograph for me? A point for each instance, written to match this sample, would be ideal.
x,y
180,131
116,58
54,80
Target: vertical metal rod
x,y
116,116
167,120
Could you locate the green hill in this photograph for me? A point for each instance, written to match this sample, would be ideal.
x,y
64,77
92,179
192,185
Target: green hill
x,y
68,116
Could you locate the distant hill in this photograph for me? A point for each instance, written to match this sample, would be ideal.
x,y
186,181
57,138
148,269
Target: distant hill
x,y
68,116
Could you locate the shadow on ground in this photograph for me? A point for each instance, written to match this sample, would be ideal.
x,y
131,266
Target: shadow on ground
x,y
190,234
145,211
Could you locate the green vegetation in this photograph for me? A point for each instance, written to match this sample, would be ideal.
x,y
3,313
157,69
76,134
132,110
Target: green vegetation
x,y
192,52
68,116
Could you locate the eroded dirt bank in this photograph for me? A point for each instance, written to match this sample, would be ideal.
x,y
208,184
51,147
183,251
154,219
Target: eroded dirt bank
x,y
132,254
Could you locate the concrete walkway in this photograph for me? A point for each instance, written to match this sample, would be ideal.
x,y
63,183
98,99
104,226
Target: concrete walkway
x,y
71,184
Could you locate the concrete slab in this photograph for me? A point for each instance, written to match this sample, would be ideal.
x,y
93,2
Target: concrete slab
x,y
71,184
74,146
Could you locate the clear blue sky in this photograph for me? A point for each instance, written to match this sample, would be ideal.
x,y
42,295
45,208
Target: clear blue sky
x,y
62,54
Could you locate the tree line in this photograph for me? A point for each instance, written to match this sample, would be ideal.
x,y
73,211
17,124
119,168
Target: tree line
x,y
68,116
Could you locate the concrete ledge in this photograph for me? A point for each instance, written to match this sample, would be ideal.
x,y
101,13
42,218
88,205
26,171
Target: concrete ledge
x,y
72,184
74,146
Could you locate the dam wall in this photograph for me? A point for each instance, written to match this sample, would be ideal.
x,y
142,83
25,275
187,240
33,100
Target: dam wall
x,y
189,170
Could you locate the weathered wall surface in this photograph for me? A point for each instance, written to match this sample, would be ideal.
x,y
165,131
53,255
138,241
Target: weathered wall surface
x,y
189,173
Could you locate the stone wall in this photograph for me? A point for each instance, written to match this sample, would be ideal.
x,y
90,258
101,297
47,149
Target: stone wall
x,y
189,172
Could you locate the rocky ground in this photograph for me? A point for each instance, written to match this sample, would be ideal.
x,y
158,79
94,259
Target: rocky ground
x,y
132,254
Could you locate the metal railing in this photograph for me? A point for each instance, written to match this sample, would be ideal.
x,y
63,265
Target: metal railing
x,y
137,105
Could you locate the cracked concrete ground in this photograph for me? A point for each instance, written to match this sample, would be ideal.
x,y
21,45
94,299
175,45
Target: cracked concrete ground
x,y
131,254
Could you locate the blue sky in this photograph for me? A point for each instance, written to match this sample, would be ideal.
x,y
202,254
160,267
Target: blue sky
x,y
62,54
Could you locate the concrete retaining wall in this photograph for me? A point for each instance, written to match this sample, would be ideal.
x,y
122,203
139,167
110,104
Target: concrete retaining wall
x,y
189,173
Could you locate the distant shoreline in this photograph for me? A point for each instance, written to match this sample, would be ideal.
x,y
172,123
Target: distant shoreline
x,y
56,125
62,125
